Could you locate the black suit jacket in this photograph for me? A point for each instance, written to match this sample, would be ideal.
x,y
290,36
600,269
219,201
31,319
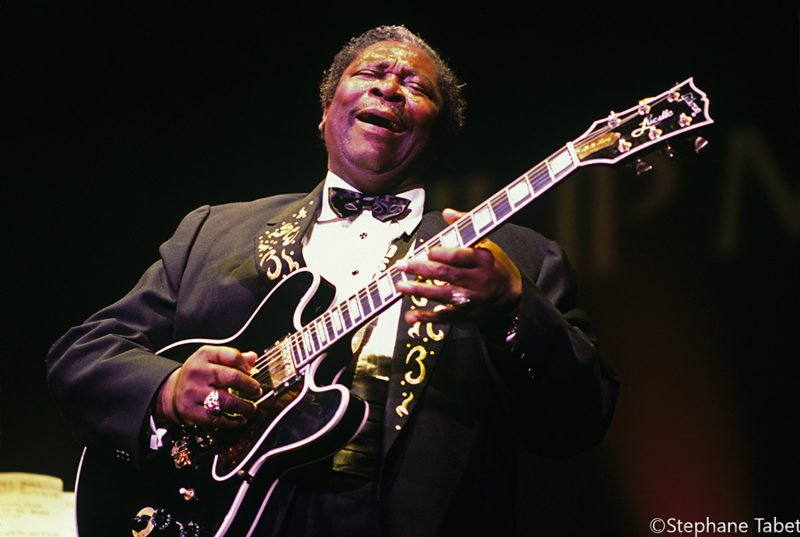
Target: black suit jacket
x,y
457,409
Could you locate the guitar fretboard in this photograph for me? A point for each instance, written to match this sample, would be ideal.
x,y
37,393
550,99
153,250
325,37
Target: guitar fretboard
x,y
300,348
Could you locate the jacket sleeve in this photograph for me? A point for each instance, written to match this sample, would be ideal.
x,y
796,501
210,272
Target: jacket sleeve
x,y
559,392
104,373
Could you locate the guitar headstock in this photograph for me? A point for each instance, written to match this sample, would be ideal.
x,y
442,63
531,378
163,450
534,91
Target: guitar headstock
x,y
676,111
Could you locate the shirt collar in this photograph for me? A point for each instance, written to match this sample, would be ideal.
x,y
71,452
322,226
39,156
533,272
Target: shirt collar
x,y
416,196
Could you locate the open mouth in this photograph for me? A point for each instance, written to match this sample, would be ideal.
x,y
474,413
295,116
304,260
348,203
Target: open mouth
x,y
381,119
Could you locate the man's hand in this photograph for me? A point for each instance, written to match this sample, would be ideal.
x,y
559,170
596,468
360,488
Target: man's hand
x,y
210,368
481,283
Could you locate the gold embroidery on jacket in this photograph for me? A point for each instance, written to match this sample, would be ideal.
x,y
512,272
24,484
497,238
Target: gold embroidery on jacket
x,y
402,408
417,351
283,236
418,355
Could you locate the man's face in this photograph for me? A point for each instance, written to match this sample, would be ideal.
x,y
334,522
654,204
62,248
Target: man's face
x,y
379,125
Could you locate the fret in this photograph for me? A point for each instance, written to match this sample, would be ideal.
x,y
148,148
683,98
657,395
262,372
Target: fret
x,y
348,321
374,294
450,238
500,205
327,321
540,180
363,299
355,309
335,322
396,275
308,348
320,329
466,230
312,330
297,351
519,192
482,217
560,163
301,345
435,242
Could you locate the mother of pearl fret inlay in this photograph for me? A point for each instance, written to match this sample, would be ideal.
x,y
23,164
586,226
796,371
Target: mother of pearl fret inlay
x,y
482,217
560,164
323,337
450,238
519,191
355,311
385,286
337,320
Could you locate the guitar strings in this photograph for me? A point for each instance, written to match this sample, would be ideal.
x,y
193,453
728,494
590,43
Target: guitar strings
x,y
276,354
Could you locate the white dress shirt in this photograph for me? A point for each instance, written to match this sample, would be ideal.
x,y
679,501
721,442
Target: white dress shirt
x,y
349,251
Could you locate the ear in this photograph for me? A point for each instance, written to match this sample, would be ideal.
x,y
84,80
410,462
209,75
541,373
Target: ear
x,y
321,126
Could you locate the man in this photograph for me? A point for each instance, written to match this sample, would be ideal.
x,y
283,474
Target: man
x,y
486,351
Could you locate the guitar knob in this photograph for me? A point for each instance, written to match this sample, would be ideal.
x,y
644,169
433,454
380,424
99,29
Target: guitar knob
x,y
699,144
142,524
187,494
192,529
642,167
161,519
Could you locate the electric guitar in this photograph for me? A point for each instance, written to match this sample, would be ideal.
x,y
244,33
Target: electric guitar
x,y
220,484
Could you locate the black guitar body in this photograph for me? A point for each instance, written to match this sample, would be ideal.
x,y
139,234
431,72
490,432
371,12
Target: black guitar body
x,y
223,488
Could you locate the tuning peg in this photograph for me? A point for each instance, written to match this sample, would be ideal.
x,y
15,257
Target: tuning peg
x,y
642,167
699,144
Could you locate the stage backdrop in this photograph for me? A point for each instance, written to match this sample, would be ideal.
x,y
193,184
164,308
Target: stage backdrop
x,y
119,120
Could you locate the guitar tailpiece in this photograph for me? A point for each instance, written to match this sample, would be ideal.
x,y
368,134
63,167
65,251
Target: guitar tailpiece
x,y
161,520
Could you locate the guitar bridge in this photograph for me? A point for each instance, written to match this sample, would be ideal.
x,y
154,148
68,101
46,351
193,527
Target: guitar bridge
x,y
152,522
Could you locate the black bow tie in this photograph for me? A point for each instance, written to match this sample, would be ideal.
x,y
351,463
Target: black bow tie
x,y
383,206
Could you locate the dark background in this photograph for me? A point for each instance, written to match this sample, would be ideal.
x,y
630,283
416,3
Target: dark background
x,y
120,118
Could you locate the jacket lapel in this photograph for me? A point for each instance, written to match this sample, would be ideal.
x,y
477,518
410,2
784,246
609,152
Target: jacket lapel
x,y
415,353
279,248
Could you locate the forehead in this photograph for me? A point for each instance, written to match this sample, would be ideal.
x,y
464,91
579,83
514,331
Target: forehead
x,y
404,56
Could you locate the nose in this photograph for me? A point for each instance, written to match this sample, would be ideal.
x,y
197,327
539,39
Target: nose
x,y
388,89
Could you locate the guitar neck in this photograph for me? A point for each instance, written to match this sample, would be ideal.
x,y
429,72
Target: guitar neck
x,y
380,293
617,137
487,216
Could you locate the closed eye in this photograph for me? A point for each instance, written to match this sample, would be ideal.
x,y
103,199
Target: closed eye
x,y
370,73
418,88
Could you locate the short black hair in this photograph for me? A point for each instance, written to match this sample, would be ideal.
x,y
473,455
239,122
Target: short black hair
x,y
453,102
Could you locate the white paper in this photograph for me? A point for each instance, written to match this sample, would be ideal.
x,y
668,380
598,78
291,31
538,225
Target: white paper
x,y
33,505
